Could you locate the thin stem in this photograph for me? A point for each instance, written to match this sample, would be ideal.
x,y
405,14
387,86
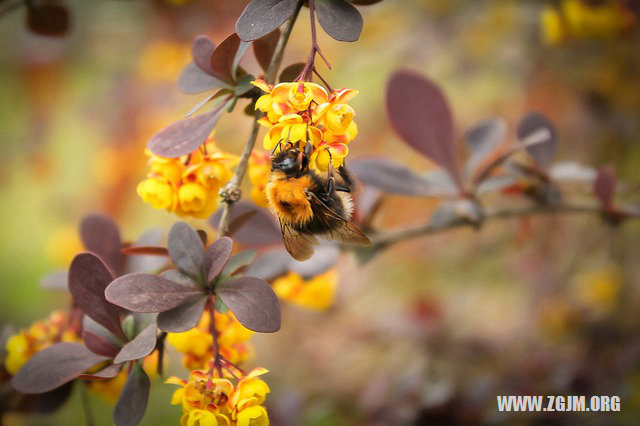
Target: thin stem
x,y
232,189
309,68
385,239
217,365
160,348
86,406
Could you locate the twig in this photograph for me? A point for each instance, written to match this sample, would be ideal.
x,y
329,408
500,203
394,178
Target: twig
x,y
231,192
217,365
309,68
86,406
160,348
384,239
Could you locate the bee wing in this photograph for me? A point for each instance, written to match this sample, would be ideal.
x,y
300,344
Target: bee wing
x,y
345,232
299,245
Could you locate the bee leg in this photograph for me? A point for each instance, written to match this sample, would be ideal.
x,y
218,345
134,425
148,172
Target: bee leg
x,y
343,188
331,182
305,158
344,174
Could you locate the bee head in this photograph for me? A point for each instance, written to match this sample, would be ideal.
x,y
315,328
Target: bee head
x,y
287,160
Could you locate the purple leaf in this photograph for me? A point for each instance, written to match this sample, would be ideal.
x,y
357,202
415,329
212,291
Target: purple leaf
x,y
148,293
260,230
395,178
270,264
98,344
186,250
260,17
217,257
291,72
186,135
101,236
146,250
483,139
193,80
56,281
536,127
109,372
140,346
183,317
264,47
419,112
339,19
133,399
54,366
201,51
604,187
253,302
223,59
88,279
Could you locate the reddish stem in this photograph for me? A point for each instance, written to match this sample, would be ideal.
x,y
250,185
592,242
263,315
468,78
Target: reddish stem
x,y
309,67
216,364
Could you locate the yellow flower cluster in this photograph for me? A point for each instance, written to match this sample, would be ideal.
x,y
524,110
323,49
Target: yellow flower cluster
x,y
22,346
298,112
214,401
109,389
189,185
259,173
576,19
316,293
197,344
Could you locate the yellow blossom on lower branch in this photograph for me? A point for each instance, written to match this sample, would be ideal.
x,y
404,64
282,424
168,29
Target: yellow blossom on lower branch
x,y
22,346
209,400
197,345
259,173
189,185
315,293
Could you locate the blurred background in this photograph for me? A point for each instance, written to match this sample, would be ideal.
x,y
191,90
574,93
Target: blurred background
x,y
432,329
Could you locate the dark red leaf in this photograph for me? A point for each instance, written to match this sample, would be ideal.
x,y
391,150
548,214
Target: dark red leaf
x,y
133,399
253,302
291,72
217,257
186,250
56,281
183,317
395,178
201,51
101,236
140,346
223,60
260,17
536,127
264,47
419,112
48,18
146,250
604,187
88,279
148,293
109,372
54,366
98,344
203,236
185,136
340,19
193,80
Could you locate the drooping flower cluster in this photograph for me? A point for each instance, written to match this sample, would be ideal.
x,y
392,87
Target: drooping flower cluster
x,y
212,401
189,185
259,172
22,346
314,293
578,19
197,344
298,112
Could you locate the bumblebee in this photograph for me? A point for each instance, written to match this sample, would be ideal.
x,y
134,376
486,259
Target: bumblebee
x,y
310,205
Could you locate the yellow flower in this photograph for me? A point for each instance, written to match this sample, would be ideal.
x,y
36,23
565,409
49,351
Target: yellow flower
x,y
595,21
316,293
255,415
599,290
197,345
23,345
203,418
329,152
188,186
259,173
553,27
157,193
291,128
